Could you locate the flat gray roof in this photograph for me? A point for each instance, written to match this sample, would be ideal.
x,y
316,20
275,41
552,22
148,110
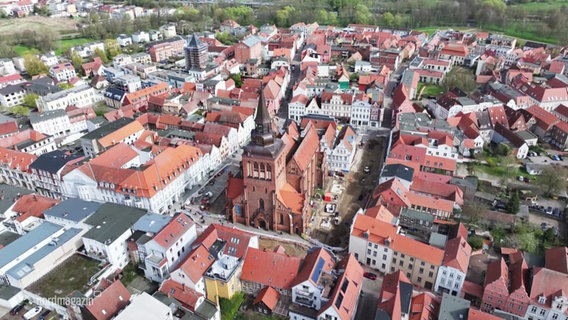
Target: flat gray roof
x,y
27,265
26,242
7,195
111,221
73,209
151,222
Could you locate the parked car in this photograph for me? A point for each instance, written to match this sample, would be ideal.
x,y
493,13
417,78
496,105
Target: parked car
x,y
543,226
548,210
527,180
330,207
521,178
15,310
44,314
32,312
556,211
370,275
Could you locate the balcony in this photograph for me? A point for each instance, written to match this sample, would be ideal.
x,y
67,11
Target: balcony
x,y
304,301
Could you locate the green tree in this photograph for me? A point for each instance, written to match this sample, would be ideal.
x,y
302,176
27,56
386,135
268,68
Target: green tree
x,y
101,54
34,65
284,16
237,78
76,60
528,242
20,110
30,100
459,78
64,85
552,180
476,242
514,203
388,19
112,48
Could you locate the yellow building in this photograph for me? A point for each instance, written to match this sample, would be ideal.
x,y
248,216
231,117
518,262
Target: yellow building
x,y
222,280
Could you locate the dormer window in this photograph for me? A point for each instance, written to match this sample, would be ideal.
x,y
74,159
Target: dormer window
x,y
541,299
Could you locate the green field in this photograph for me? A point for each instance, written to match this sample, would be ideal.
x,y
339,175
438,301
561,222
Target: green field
x,y
62,45
544,5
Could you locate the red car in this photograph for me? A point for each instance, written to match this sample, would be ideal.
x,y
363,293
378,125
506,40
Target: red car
x,y
370,275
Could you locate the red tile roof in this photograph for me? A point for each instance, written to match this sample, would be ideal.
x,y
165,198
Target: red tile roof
x,y
548,283
270,269
268,296
109,302
557,259
32,205
417,249
238,241
389,298
307,149
376,231
16,159
21,136
197,263
188,297
171,233
120,134
497,271
545,118
457,254
291,198
381,213
345,295
309,266
8,127
424,307
437,189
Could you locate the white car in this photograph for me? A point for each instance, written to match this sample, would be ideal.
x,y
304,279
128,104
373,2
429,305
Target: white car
x,y
32,313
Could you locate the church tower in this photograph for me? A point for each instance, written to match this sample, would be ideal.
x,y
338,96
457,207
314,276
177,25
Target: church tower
x,y
264,170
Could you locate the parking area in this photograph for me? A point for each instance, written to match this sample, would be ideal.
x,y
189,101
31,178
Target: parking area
x,y
349,191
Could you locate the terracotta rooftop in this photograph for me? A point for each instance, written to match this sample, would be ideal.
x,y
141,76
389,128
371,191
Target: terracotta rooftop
x,y
109,302
557,259
174,230
268,296
270,269
32,205
457,254
197,263
188,297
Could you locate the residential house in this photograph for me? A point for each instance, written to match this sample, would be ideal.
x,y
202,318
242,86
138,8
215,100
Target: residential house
x,y
110,228
80,97
29,141
248,48
14,168
139,99
54,123
340,156
559,135
161,50
123,130
168,31
140,37
12,95
72,213
192,303
395,298
46,172
124,40
452,272
260,268
110,300
63,72
503,135
162,253
191,271
145,306
26,213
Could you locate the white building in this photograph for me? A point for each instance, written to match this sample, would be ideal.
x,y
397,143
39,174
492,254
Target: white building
x,y
452,272
14,168
49,59
7,67
191,271
72,213
340,157
167,248
141,37
124,40
548,295
110,228
80,96
46,173
12,95
36,253
55,122
144,306
168,31
63,72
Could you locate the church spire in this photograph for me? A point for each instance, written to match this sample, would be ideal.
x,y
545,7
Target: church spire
x,y
262,134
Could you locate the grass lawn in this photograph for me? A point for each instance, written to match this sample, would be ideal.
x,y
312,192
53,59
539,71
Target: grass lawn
x,y
531,7
66,43
23,50
73,274
426,90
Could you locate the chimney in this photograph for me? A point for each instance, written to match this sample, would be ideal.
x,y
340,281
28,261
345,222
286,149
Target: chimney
x,y
183,287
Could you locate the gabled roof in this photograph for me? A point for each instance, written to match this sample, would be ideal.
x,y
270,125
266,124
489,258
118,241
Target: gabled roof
x,y
396,187
188,297
395,297
509,135
497,271
424,307
197,263
547,283
557,259
270,269
345,295
457,254
238,241
417,249
376,231
8,127
381,213
16,159
175,229
268,296
52,161
32,205
315,263
307,149
545,118
109,302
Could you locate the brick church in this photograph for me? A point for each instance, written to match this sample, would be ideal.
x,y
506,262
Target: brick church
x,y
278,176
